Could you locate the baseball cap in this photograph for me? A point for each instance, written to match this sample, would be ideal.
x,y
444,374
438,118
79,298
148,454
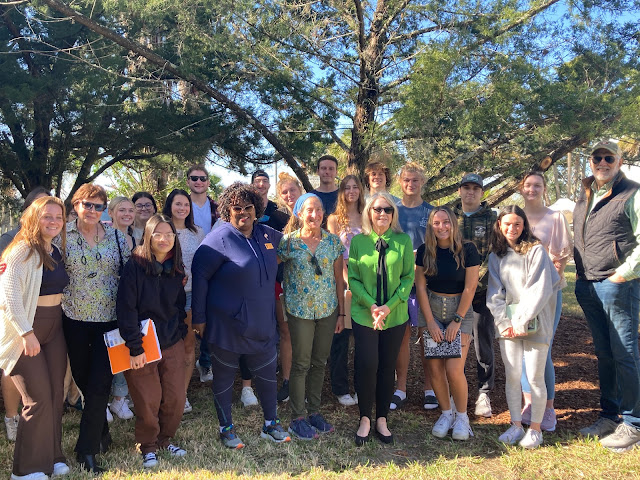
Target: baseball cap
x,y
472,178
609,146
259,173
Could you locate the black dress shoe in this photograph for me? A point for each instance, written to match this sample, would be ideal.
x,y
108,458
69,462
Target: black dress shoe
x,y
360,441
388,439
88,462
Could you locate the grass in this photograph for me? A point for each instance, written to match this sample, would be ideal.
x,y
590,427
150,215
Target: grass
x,y
416,454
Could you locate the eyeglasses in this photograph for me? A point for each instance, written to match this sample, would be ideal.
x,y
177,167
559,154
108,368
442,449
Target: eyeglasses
x,y
163,236
144,206
98,207
195,178
316,265
596,159
246,209
387,210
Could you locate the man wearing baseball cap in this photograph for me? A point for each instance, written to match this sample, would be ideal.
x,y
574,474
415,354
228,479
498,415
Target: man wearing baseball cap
x,y
272,217
607,256
476,220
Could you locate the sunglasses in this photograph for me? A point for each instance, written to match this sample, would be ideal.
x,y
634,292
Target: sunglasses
x,y
98,207
163,236
195,178
316,265
596,159
387,210
246,209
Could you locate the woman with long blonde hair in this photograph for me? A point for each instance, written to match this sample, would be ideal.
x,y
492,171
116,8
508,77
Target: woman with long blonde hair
x,y
446,279
32,345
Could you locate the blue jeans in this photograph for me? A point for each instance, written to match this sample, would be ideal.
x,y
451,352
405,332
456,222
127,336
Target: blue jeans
x,y
612,311
549,369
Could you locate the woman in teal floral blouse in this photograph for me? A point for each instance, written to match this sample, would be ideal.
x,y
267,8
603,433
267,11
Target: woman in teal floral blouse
x,y
313,286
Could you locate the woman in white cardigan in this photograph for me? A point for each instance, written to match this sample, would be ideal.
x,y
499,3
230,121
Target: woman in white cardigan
x,y
32,346
523,278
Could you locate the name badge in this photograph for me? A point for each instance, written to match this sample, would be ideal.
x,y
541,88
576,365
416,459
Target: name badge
x,y
268,246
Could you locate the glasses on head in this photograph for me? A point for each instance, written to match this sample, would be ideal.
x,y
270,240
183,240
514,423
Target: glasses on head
x,y
596,159
316,265
144,206
163,236
98,207
195,178
387,210
246,209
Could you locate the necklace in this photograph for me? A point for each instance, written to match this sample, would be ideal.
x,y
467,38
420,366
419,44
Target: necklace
x,y
97,237
83,258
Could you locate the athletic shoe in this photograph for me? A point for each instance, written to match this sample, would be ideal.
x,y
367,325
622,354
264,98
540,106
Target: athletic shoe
x,y
60,468
526,414
187,406
483,406
513,435
11,423
149,460
346,400
109,416
120,409
230,439
531,439
175,451
624,438
600,428
248,398
549,421
283,393
461,428
318,422
274,432
206,375
301,429
396,402
443,425
30,476
430,402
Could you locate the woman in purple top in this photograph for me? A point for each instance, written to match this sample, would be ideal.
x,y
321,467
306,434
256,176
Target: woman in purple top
x,y
234,274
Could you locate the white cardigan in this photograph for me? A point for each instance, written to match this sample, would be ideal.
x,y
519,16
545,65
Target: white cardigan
x,y
19,292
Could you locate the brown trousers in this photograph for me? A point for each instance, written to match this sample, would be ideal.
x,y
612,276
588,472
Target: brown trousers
x,y
40,381
158,395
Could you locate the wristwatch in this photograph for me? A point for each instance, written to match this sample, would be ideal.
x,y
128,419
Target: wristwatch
x,y
457,318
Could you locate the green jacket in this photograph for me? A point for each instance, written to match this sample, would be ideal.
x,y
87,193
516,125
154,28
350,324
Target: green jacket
x,y
363,265
477,228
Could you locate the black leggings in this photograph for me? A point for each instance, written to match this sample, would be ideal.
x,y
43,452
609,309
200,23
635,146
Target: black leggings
x,y
375,364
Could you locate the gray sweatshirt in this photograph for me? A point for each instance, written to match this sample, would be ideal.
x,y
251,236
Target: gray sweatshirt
x,y
532,282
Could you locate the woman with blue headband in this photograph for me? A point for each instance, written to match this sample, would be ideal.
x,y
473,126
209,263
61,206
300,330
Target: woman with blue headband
x,y
313,299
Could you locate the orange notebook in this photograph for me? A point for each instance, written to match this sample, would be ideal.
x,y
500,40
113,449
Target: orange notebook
x,y
119,355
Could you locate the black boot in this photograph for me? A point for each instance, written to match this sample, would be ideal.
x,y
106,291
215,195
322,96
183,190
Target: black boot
x,y
89,463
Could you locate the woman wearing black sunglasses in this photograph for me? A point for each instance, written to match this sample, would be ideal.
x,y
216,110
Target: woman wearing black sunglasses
x,y
95,255
313,298
380,278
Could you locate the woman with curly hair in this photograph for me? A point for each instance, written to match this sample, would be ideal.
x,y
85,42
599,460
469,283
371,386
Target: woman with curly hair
x,y
234,274
523,285
346,222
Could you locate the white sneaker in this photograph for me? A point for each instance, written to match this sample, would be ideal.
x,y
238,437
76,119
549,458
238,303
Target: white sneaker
x,y
30,476
248,398
120,408
531,439
109,416
443,425
60,468
513,435
483,406
187,406
11,423
206,375
461,428
149,460
176,451
346,400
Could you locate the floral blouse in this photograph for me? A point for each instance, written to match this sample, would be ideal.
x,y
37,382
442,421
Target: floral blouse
x,y
90,295
307,294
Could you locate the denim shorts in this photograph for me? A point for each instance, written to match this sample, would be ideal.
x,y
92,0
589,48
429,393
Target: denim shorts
x,y
187,306
443,309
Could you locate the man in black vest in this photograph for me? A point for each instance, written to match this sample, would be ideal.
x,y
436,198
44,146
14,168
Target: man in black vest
x,y
607,255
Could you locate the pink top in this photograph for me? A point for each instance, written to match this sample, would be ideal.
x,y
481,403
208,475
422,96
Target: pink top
x,y
553,231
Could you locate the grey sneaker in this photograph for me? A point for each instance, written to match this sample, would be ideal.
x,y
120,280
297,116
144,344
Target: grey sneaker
x,y
513,435
600,428
625,438
531,439
206,375
549,420
275,432
12,427
229,438
483,406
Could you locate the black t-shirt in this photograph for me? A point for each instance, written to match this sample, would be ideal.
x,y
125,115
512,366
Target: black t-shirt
x,y
450,278
273,217
54,281
329,201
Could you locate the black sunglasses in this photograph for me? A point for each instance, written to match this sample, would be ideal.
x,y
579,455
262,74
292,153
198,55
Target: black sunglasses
x,y
316,265
596,159
195,178
387,210
98,207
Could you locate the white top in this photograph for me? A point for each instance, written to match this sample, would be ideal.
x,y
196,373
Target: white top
x,y
202,216
189,243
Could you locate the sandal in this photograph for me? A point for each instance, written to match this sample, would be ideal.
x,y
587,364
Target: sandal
x,y
397,403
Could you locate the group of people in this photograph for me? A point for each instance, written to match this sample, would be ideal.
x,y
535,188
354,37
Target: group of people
x,y
261,282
